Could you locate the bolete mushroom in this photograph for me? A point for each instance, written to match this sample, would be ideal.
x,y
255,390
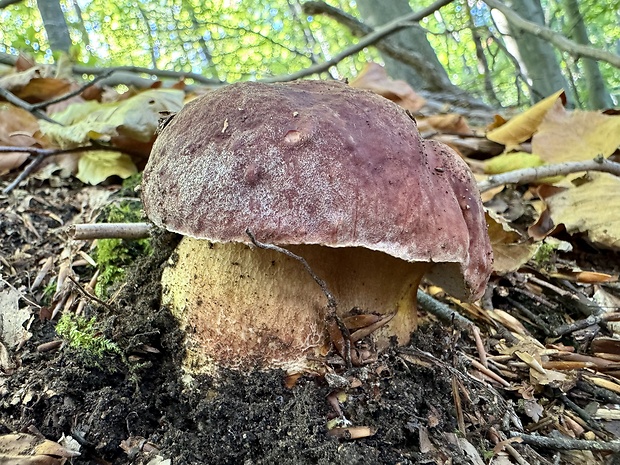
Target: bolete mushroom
x,y
340,177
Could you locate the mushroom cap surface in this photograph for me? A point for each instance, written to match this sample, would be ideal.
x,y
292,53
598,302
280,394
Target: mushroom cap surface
x,y
318,162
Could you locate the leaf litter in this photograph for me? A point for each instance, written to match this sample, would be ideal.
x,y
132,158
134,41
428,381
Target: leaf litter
x,y
547,364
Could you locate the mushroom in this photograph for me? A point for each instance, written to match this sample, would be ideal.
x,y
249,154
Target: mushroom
x,y
338,176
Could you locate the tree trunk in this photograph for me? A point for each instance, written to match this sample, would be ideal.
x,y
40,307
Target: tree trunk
x,y
55,25
537,55
376,13
598,95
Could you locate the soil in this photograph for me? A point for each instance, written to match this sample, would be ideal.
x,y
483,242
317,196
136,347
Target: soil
x,y
138,406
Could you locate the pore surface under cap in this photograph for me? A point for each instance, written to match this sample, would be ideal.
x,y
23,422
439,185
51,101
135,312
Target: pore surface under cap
x,y
315,162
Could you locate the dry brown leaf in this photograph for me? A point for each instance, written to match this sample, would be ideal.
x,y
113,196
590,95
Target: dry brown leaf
x,y
510,250
522,127
18,128
451,123
375,78
41,89
578,208
574,136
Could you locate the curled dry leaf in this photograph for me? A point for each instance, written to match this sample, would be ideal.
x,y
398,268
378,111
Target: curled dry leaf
x,y
18,128
375,78
522,127
510,250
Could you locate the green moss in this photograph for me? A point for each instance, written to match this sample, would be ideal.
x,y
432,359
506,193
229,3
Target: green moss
x,y
113,256
83,335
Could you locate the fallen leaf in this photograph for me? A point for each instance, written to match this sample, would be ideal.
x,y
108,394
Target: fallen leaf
x,y
522,127
375,78
511,161
510,249
12,318
96,166
578,208
577,135
136,117
18,128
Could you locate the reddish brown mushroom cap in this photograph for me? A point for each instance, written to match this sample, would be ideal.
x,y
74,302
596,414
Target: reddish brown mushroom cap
x,y
314,162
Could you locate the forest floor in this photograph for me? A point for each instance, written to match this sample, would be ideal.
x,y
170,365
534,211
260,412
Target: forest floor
x,y
127,400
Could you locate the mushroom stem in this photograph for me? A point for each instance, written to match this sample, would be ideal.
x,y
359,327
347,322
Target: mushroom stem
x,y
248,307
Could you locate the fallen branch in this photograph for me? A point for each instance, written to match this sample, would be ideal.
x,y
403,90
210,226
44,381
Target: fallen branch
x,y
370,39
41,154
110,231
526,175
561,42
15,100
564,443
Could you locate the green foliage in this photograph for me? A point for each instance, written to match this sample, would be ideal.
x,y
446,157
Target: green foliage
x,y
235,40
82,335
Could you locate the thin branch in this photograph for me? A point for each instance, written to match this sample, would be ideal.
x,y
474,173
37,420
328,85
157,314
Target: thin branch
x,y
370,39
78,91
78,69
331,300
42,154
442,311
389,47
110,231
526,175
561,42
15,100
565,443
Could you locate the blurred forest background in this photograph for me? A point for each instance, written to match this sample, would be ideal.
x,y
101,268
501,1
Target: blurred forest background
x,y
496,53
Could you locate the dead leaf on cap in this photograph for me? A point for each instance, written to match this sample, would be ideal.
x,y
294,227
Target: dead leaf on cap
x,y
375,78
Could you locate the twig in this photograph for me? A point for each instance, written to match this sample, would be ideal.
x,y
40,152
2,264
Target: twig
x,y
85,293
62,98
390,48
561,42
78,69
564,443
563,330
109,231
42,154
370,39
532,174
442,311
15,100
331,300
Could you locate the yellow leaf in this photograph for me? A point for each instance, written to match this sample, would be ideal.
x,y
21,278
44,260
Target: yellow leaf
x,y
522,127
136,118
591,207
511,161
574,136
95,167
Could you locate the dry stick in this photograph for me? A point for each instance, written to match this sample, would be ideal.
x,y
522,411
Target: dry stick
x,y
42,154
110,231
556,39
370,39
581,324
85,293
15,100
532,174
567,443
